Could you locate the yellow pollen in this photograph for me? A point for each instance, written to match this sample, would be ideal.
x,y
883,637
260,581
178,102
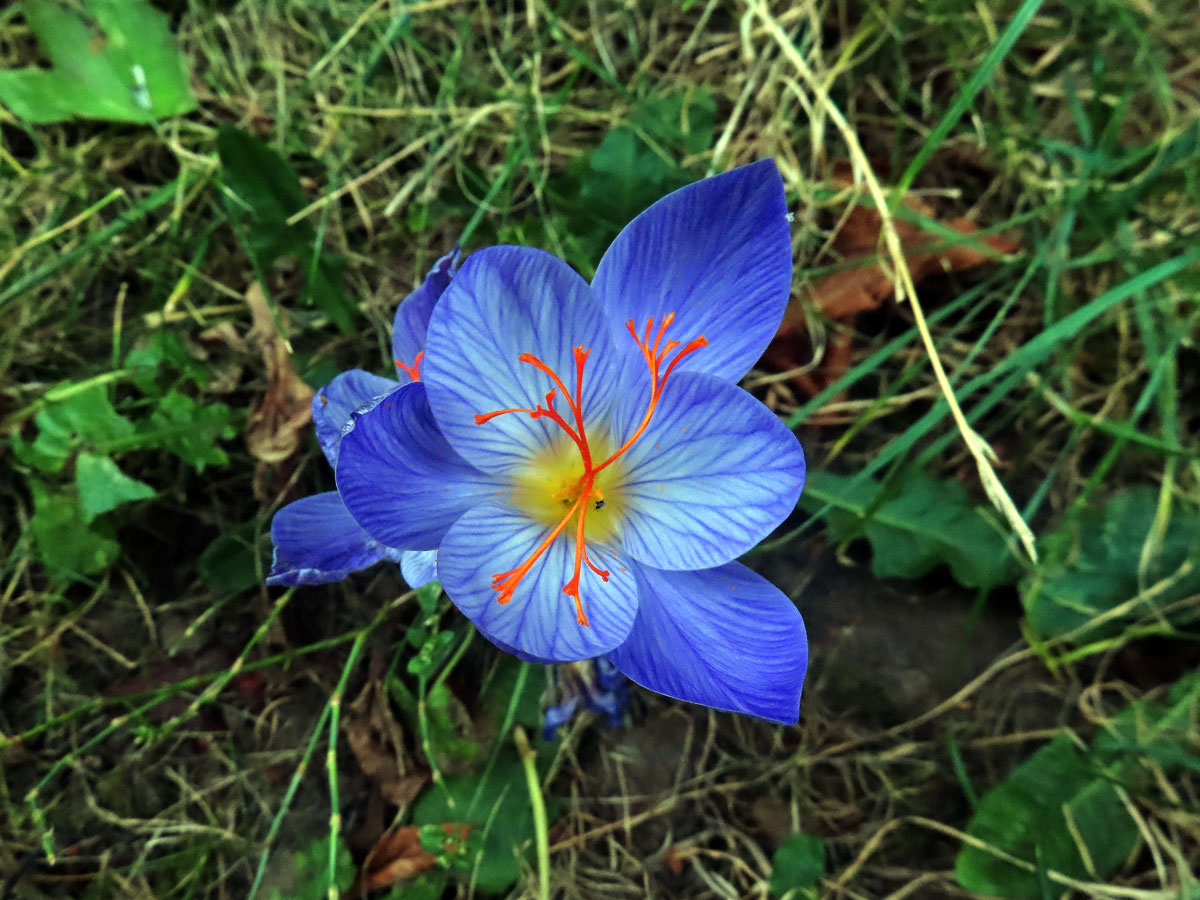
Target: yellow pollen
x,y
575,483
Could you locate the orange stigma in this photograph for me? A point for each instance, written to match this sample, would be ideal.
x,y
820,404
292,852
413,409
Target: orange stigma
x,y
413,370
584,491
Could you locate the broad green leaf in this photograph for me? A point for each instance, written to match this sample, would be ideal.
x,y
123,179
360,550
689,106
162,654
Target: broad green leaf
x,y
263,183
497,806
81,419
312,872
679,122
499,689
68,546
1164,731
262,192
189,429
38,96
429,597
118,61
103,486
1056,809
798,865
228,565
919,524
625,174
1091,565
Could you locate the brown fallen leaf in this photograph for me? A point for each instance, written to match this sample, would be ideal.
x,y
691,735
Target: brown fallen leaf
x,y
279,419
377,742
843,295
399,857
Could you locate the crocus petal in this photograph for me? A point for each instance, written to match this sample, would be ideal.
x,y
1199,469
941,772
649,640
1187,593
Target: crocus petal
x,y
710,477
717,254
723,637
333,404
419,567
558,715
540,620
399,478
412,315
316,541
506,301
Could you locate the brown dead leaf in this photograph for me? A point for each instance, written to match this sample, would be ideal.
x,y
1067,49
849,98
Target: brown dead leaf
x,y
674,861
377,743
278,421
399,857
847,293
843,295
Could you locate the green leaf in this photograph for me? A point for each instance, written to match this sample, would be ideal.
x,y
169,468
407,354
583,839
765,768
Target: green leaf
x,y
262,192
627,172
312,872
263,183
1091,565
38,96
189,430
1163,731
118,62
428,597
69,546
499,690
229,564
915,526
798,865
1054,806
103,486
680,122
84,418
497,805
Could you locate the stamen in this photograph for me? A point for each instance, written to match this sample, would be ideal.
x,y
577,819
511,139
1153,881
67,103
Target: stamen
x,y
413,370
585,489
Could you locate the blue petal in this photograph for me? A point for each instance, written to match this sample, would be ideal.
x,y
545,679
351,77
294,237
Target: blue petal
x,y
540,620
506,301
333,404
419,567
400,479
558,715
716,253
723,637
412,315
710,477
316,541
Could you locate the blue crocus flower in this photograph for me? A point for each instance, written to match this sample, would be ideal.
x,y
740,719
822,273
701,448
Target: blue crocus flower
x,y
584,463
315,538
597,682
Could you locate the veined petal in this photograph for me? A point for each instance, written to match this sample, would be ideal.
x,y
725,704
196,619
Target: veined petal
x,y
717,254
419,567
316,541
333,405
723,637
412,315
399,478
504,302
710,477
540,620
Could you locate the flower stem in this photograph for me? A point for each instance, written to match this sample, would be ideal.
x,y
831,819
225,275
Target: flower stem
x,y
540,828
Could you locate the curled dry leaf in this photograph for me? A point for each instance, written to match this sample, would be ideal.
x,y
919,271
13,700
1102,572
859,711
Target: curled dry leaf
x,y
843,295
277,423
377,742
399,857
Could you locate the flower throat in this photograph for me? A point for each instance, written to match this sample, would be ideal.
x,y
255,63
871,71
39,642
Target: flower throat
x,y
584,493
